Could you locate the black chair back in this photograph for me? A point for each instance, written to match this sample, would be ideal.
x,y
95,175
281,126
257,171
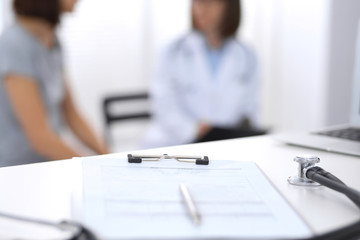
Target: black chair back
x,y
132,109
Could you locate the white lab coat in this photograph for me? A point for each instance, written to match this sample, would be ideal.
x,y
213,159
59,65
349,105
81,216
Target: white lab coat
x,y
185,92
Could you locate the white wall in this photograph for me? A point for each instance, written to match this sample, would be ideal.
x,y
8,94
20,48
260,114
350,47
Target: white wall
x,y
111,46
306,49
304,64
291,39
5,13
1,16
344,21
105,51
261,30
3,8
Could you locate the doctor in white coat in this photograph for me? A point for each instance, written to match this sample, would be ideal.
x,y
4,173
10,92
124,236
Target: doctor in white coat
x,y
204,80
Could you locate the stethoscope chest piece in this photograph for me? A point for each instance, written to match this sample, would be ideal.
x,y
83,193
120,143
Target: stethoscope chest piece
x,y
305,162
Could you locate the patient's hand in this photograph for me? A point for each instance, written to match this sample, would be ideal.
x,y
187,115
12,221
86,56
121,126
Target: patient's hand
x,y
203,129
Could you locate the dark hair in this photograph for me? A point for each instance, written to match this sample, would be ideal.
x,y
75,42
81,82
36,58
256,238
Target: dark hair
x,y
48,10
231,19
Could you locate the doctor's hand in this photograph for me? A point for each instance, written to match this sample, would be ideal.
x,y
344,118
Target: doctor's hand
x,y
203,129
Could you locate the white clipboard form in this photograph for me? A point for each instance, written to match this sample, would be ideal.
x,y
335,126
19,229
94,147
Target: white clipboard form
x,y
125,200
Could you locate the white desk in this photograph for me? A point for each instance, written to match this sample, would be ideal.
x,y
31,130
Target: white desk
x,y
50,190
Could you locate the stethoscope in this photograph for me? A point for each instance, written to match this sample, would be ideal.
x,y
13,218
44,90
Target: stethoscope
x,y
310,175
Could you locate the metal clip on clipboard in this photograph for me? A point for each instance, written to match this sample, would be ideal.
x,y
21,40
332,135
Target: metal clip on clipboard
x,y
189,159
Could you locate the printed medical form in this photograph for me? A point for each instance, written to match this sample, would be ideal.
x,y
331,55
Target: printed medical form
x,y
142,201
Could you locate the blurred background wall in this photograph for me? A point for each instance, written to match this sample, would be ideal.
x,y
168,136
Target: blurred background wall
x,y
305,48
1,18
5,13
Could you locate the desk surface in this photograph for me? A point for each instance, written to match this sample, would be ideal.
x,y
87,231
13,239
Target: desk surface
x,y
50,190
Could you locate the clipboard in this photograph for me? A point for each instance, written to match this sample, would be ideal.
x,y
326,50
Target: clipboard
x,y
126,200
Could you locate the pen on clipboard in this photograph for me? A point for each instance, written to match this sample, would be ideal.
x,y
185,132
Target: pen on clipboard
x,y
190,205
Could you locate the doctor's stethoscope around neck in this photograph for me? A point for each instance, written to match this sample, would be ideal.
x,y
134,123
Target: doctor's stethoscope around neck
x,y
310,175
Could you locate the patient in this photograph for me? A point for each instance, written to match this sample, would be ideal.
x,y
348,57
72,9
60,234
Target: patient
x,y
206,86
35,100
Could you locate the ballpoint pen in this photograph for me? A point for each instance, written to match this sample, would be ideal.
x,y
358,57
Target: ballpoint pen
x,y
190,205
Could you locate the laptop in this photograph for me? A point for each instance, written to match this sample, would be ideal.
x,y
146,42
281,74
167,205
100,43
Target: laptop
x,y
343,139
